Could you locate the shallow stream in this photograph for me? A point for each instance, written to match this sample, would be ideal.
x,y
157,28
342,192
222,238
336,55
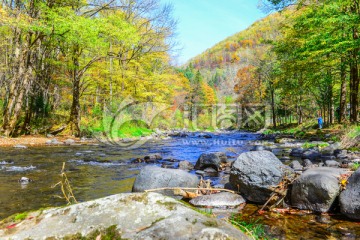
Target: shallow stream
x,y
96,171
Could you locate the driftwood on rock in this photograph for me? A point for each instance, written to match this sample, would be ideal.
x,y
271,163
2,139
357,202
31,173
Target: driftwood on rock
x,y
185,191
280,191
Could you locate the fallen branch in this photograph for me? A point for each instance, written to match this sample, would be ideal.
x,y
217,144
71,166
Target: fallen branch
x,y
280,191
180,188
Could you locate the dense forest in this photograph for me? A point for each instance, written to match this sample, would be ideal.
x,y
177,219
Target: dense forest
x,y
64,63
301,61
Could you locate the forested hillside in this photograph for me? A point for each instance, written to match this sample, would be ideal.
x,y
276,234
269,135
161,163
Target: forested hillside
x,y
220,64
302,62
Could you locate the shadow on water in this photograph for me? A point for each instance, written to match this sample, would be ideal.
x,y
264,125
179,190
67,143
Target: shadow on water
x,y
96,171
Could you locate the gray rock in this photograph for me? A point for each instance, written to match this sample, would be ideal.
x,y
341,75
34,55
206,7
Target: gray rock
x,y
200,172
311,154
332,163
223,199
54,141
186,165
178,134
229,186
19,146
296,152
151,177
131,216
316,189
284,140
69,141
349,198
328,151
208,160
24,180
308,163
285,158
260,148
296,165
340,152
255,173
222,156
152,158
324,158
204,135
210,172
342,156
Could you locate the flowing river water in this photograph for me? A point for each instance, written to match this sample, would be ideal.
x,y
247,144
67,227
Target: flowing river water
x,y
97,171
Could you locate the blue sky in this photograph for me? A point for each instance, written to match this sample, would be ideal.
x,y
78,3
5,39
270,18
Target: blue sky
x,y
203,23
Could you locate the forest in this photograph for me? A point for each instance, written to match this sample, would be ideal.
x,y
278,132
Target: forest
x,y
64,63
302,61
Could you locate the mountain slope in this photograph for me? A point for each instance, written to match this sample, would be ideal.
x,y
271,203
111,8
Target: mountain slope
x,y
219,65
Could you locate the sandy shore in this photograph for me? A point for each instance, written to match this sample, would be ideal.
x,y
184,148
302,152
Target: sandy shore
x,y
31,140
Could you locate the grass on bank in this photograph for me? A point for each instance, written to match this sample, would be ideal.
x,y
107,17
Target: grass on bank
x,y
355,166
126,130
313,145
253,229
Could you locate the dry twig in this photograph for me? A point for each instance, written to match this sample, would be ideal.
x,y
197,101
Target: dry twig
x,y
65,187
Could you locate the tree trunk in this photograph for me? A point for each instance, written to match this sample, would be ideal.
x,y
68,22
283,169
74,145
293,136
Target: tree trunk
x,y
354,90
273,107
20,83
74,119
342,112
354,80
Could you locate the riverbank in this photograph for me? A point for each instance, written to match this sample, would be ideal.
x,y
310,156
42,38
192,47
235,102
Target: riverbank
x,y
31,140
347,135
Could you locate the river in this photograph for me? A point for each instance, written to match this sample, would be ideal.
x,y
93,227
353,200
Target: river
x,y
97,171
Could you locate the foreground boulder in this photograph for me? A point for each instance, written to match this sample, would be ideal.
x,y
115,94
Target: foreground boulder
x,y
350,198
152,177
316,189
208,160
220,200
122,216
256,173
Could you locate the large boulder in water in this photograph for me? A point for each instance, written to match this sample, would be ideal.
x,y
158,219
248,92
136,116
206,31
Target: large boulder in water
x,y
350,197
256,173
316,189
122,216
208,160
152,177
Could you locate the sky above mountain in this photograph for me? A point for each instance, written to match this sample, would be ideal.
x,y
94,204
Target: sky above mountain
x,y
203,23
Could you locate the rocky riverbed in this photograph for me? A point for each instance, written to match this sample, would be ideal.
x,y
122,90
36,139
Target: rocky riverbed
x,y
324,182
